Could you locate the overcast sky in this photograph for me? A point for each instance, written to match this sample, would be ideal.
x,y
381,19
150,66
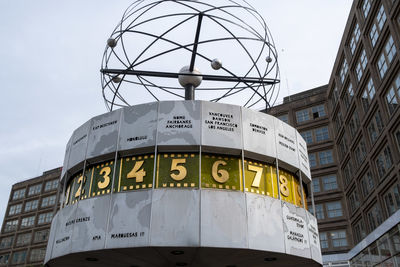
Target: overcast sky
x,y
50,60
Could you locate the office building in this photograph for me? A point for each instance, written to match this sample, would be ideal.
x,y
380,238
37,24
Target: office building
x,y
26,224
363,118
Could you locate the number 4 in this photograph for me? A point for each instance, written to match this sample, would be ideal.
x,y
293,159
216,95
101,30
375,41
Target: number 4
x,y
136,172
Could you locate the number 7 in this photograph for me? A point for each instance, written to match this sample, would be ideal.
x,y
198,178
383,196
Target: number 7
x,y
257,177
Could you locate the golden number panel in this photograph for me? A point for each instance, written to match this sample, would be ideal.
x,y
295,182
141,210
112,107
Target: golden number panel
x,y
182,170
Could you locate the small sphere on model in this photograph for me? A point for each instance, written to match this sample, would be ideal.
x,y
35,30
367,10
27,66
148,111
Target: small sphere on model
x,y
216,64
194,80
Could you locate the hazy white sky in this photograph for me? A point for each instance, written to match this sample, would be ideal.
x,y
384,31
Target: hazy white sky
x,y
50,60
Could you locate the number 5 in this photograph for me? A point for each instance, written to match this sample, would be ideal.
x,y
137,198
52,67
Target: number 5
x,y
182,172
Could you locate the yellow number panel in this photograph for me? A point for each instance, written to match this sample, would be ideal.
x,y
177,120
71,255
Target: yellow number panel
x,y
102,178
135,172
298,196
221,172
177,170
67,194
272,182
286,186
255,176
77,184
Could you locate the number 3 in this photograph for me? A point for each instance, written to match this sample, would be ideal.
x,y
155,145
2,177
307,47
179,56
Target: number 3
x,y
105,172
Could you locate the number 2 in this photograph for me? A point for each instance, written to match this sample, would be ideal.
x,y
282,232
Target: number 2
x,y
80,191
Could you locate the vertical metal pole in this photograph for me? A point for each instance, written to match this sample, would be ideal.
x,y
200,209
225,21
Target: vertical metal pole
x,y
189,92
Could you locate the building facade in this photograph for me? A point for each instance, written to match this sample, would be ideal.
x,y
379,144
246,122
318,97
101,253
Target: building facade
x,y
363,119
308,112
363,97
26,224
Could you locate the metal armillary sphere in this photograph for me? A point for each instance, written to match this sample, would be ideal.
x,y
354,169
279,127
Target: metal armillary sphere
x,y
220,50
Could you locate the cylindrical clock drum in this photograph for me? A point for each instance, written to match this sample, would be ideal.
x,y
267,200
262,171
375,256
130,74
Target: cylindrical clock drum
x,y
184,183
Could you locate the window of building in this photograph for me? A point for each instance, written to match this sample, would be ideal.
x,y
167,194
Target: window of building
x,y
307,135
31,205
329,182
360,152
11,225
361,64
334,209
354,123
284,118
15,209
302,115
384,161
359,231
393,95
338,121
386,56
323,240
316,185
343,147
23,239
339,238
6,242
397,137
34,189
374,217
18,257
19,194
45,217
37,254
348,96
374,34
335,96
319,210
48,201
322,134
366,7
4,259
375,127
392,199
368,95
353,201
325,157
377,26
312,159
347,172
318,111
343,70
354,38
28,221
367,184
52,185
41,236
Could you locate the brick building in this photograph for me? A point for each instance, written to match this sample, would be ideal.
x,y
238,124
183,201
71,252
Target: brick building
x,y
26,224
